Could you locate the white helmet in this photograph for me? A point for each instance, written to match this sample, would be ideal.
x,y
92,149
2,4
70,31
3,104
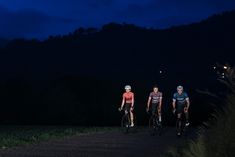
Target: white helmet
x,y
128,87
180,87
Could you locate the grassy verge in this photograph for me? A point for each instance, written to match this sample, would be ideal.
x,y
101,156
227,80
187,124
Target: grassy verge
x,y
11,136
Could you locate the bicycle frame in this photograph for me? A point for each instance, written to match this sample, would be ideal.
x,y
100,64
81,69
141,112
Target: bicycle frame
x,y
125,121
154,124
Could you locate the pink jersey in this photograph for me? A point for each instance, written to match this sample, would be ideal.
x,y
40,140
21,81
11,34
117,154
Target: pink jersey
x,y
128,97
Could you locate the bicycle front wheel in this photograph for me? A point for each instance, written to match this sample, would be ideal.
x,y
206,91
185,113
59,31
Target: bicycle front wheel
x,y
152,125
125,123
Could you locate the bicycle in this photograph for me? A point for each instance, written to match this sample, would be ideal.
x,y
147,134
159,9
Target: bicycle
x,y
155,126
125,121
181,127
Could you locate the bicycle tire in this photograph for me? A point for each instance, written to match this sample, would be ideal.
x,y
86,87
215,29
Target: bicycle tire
x,y
125,123
154,126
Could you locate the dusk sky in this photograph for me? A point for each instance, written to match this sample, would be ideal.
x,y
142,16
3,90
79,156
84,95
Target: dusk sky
x,y
41,18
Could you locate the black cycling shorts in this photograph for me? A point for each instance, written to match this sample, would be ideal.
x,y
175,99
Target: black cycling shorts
x,y
154,108
127,107
180,108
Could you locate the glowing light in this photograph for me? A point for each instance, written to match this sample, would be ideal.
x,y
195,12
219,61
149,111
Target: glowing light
x,y
160,71
225,67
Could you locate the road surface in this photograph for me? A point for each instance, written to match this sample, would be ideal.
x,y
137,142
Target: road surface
x,y
111,144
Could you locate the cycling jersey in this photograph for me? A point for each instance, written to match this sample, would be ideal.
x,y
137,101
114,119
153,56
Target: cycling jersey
x,y
128,96
155,97
180,98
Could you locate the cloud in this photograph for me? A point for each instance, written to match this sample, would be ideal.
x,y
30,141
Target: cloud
x,y
30,23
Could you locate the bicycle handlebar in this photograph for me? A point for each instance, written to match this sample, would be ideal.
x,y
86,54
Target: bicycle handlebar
x,y
120,109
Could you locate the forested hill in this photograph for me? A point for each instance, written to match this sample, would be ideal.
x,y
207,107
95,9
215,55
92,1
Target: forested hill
x,y
120,49
66,78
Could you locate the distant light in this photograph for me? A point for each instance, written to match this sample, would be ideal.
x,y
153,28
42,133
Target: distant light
x,y
223,74
225,67
160,71
214,67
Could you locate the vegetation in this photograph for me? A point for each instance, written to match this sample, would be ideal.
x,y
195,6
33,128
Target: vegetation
x,y
11,136
217,138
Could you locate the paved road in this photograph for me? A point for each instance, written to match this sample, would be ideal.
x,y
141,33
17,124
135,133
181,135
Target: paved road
x,y
112,144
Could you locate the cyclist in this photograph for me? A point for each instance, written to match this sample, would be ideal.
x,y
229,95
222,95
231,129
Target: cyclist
x,y
181,104
155,99
128,102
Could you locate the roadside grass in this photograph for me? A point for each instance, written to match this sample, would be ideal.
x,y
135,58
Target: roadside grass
x,y
11,136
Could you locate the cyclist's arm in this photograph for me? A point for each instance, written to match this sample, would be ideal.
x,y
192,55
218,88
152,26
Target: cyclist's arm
x,y
133,100
149,100
174,100
173,103
188,103
123,101
160,103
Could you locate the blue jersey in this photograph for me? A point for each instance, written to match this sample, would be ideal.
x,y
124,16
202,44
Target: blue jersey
x,y
180,98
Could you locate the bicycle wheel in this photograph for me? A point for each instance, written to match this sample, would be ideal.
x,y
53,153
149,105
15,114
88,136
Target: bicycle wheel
x,y
179,127
152,125
159,128
125,123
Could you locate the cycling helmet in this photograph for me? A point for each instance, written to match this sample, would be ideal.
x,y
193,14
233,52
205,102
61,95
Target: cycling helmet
x,y
128,87
180,87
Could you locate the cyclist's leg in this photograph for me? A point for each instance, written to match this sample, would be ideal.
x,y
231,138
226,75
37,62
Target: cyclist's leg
x,y
126,109
179,111
131,114
154,113
186,116
127,121
178,123
179,117
159,114
153,109
132,118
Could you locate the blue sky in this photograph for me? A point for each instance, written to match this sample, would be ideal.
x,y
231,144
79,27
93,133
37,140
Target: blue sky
x,y
41,18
